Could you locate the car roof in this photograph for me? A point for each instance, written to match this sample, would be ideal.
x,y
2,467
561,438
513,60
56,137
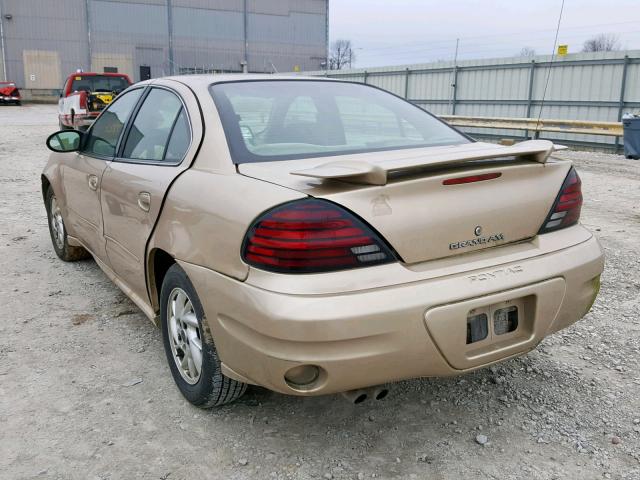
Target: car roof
x,y
205,80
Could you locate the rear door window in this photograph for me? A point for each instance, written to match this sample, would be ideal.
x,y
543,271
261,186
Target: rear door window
x,y
149,135
180,139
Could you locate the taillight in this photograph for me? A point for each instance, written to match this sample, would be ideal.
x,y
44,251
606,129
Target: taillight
x,y
82,101
308,236
566,209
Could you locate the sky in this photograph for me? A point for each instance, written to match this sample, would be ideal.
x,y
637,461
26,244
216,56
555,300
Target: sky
x,y
396,32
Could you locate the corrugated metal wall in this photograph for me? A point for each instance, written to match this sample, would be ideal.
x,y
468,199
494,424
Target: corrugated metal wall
x,y
585,86
43,26
199,35
127,35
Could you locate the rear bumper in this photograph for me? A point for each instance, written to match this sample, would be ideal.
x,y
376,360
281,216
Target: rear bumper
x,y
373,336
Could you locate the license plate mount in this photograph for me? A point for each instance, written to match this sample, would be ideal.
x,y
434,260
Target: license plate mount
x,y
538,305
505,320
494,322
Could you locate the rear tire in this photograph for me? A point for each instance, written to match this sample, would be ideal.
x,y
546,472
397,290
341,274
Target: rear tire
x,y
58,231
189,346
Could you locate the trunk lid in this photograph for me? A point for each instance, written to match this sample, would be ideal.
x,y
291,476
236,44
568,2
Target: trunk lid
x,y
401,194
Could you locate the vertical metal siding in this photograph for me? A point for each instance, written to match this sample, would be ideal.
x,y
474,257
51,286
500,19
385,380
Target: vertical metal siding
x,y
129,18
207,24
233,5
632,93
394,83
129,35
208,35
282,36
584,86
45,26
432,86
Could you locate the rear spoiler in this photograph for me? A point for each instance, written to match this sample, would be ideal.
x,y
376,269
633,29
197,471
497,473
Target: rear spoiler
x,y
375,172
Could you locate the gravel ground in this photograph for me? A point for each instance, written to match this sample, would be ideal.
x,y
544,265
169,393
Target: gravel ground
x,y
85,391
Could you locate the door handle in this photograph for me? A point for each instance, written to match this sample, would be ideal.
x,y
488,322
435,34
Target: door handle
x,y
144,201
93,182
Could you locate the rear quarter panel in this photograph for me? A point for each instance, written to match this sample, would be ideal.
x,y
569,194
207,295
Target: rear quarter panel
x,y
208,208
206,215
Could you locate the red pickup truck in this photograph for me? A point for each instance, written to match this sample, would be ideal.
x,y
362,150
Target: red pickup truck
x,y
9,93
84,96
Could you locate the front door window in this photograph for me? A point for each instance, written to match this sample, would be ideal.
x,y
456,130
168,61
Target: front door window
x,y
102,137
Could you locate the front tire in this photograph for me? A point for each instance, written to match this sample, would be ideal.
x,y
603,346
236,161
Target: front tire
x,y
58,231
191,352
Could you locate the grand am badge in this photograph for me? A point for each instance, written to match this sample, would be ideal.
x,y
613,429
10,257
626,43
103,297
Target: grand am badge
x,y
496,237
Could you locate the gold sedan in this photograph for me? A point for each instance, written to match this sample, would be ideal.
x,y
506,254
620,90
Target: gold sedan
x,y
315,236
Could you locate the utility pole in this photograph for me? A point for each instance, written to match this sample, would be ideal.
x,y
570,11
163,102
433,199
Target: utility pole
x,y
326,34
452,98
4,57
455,57
245,59
87,19
170,33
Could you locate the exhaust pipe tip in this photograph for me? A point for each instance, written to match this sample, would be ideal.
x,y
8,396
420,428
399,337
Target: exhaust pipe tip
x,y
356,396
362,394
360,398
380,392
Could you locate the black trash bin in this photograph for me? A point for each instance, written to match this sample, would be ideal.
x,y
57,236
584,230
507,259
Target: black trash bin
x,y
631,137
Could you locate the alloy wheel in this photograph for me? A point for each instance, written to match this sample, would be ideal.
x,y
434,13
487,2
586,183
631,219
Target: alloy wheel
x,y
184,336
57,225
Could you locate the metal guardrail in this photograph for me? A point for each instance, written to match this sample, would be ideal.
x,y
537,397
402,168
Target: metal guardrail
x,y
613,129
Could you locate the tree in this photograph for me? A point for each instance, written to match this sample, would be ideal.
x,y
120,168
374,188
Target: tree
x,y
527,52
341,55
605,42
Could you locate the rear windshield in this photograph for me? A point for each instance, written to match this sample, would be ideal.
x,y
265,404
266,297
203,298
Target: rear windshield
x,y
98,83
283,119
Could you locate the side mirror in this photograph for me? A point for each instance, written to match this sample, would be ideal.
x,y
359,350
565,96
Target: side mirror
x,y
64,141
